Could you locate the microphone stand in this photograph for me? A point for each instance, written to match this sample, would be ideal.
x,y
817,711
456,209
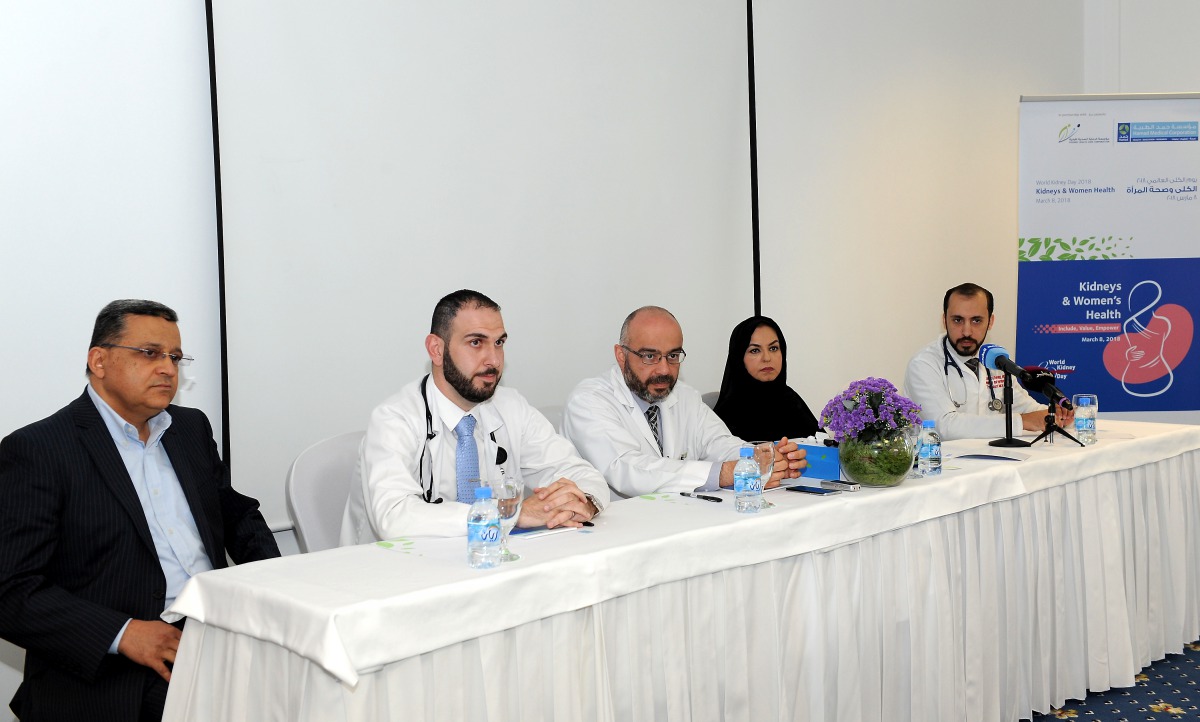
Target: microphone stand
x,y
1008,439
1052,425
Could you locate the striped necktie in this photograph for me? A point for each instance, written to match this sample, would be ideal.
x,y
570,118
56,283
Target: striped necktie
x,y
652,418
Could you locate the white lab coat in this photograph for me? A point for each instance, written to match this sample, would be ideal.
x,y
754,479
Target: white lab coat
x,y
386,495
608,427
929,383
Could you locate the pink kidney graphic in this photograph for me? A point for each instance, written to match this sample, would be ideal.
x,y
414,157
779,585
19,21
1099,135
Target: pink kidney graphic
x,y
1153,342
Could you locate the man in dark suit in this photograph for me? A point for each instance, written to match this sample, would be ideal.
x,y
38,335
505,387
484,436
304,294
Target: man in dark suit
x,y
106,508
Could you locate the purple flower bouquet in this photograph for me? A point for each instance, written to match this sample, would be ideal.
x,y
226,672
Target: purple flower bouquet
x,y
873,425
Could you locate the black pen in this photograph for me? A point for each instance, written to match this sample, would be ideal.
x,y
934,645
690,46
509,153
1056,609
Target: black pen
x,y
700,496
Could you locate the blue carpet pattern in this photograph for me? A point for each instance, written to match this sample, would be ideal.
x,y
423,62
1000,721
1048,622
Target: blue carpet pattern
x,y
1166,690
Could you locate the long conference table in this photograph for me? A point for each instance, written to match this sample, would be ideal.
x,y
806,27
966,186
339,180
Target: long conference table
x,y
998,588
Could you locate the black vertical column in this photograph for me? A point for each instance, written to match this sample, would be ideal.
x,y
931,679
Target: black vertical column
x,y
753,159
212,87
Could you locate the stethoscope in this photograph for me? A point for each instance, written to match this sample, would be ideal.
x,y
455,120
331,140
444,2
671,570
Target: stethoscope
x,y
427,493
994,404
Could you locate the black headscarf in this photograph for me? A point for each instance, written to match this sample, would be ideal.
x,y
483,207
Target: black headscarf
x,y
760,410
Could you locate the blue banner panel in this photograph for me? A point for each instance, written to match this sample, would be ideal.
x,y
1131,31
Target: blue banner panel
x,y
1121,329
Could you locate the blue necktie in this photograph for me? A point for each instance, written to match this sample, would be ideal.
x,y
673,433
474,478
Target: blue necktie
x,y
466,459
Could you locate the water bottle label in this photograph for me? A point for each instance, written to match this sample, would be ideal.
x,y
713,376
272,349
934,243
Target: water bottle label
x,y
486,533
745,484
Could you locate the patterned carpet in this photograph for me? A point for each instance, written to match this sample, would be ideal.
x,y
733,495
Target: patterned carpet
x,y
1165,690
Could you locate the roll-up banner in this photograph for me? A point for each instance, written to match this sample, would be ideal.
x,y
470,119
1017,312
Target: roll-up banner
x,y
1109,237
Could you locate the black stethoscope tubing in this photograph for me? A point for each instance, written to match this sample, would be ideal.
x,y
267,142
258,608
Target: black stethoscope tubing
x,y
950,361
427,493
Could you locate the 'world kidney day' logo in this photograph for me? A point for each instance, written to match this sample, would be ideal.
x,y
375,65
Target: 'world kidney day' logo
x,y
1154,340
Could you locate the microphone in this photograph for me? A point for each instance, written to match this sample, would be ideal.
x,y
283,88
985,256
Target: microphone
x,y
1041,380
997,358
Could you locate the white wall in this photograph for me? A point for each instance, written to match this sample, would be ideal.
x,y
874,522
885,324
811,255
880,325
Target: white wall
x,y
573,161
1154,47
106,191
888,163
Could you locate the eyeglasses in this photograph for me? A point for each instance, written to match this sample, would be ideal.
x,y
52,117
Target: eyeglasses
x,y
652,357
153,354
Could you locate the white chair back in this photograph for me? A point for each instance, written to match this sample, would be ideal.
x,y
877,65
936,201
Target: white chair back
x,y
554,415
317,487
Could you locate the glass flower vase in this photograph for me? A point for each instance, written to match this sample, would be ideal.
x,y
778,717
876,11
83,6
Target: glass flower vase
x,y
884,459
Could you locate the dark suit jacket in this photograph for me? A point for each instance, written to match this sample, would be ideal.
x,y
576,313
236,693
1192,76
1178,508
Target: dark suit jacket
x,y
77,559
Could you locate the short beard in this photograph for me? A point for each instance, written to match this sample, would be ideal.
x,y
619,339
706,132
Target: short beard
x,y
978,345
460,383
641,389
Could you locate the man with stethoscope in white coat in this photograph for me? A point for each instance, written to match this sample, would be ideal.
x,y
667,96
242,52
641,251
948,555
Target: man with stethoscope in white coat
x,y
428,446
946,379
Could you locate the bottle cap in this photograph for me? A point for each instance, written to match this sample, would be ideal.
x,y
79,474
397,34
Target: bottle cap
x,y
483,492
746,452
928,424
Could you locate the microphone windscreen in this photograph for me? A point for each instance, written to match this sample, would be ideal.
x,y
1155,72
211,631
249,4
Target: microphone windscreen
x,y
989,353
1037,379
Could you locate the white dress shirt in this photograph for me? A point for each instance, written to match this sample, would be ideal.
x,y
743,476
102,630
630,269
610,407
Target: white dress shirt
x,y
934,383
387,496
605,422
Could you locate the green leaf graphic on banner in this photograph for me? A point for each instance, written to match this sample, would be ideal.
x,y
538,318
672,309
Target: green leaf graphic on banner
x,y
1090,248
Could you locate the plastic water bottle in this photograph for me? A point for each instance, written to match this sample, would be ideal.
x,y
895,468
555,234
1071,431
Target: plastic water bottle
x,y
929,457
483,531
1085,421
747,484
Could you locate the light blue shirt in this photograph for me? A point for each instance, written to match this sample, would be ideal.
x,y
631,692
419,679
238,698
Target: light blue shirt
x,y
172,527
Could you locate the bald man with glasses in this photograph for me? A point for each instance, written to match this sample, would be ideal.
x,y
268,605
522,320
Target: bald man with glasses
x,y
647,432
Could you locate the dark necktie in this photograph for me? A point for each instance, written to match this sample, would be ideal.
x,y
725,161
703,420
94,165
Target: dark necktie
x,y
652,418
973,364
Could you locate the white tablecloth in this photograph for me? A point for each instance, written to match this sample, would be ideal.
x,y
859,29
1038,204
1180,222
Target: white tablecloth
x,y
996,589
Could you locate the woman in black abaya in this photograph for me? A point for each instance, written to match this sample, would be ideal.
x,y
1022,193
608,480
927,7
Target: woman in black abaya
x,y
755,402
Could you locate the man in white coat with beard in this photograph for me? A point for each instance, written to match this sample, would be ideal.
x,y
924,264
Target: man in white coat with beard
x,y
646,432
953,389
425,442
